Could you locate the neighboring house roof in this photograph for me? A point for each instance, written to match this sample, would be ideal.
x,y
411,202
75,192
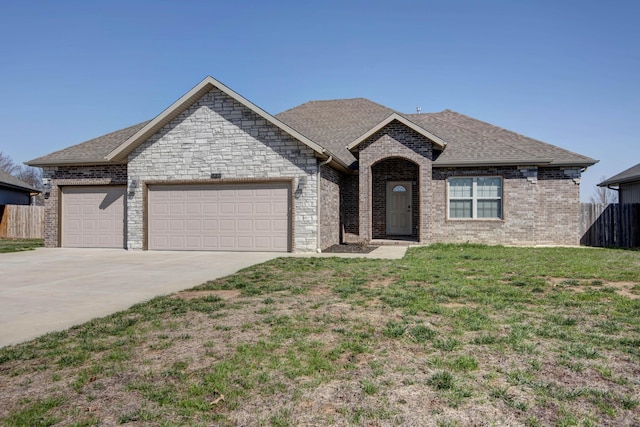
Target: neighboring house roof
x,y
333,128
630,175
9,181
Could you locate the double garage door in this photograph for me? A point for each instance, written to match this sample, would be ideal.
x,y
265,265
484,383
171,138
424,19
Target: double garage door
x,y
238,217
229,217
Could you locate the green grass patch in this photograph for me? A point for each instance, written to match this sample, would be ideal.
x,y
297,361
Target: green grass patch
x,y
19,245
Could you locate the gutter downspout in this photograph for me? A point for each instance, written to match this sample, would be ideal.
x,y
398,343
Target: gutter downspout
x,y
318,179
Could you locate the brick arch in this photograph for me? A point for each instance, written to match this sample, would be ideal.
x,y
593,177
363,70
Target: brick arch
x,y
395,168
396,141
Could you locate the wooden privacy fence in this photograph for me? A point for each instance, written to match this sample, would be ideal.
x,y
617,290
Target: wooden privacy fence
x,y
612,225
21,222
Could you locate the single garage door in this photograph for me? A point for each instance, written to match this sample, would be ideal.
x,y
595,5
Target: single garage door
x,y
225,217
93,217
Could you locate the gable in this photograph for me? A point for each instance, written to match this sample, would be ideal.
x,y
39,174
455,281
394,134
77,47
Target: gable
x,y
395,139
193,96
116,146
218,134
435,140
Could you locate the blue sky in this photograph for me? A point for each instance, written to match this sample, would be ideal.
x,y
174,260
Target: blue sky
x,y
565,72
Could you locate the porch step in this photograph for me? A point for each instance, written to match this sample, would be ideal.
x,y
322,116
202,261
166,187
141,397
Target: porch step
x,y
395,242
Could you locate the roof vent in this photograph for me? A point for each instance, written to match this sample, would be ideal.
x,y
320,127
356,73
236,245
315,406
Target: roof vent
x,y
418,109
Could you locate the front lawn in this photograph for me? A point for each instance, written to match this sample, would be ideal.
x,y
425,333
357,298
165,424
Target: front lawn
x,y
451,335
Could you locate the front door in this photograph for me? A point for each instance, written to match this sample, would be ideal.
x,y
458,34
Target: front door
x,y
399,207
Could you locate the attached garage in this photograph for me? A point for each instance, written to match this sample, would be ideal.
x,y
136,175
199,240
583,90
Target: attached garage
x,y
93,217
224,217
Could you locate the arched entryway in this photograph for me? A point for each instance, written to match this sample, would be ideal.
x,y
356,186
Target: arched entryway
x,y
395,210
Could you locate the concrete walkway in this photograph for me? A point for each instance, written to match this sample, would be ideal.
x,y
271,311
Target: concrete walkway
x,y
381,252
53,289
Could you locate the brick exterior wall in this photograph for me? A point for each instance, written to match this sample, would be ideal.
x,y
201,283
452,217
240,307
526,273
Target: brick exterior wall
x,y
70,176
349,208
540,205
219,135
329,207
557,207
536,210
394,141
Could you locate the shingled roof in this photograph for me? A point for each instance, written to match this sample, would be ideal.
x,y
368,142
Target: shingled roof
x,y
93,151
474,142
8,180
333,125
470,142
630,175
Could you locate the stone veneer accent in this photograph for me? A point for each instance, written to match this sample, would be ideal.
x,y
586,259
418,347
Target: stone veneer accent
x,y
217,134
395,141
535,212
71,176
329,207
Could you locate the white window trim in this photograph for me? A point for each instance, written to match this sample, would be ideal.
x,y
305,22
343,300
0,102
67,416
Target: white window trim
x,y
474,198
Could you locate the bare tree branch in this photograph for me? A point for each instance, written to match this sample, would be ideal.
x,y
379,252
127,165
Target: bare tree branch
x,y
604,195
30,175
7,164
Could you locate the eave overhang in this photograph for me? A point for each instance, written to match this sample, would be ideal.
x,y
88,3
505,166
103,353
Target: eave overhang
x,y
514,162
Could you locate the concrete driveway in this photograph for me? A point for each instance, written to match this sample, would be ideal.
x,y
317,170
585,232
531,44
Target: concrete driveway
x,y
52,289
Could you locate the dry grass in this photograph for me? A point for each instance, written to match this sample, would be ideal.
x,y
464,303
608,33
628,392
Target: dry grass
x,y
450,335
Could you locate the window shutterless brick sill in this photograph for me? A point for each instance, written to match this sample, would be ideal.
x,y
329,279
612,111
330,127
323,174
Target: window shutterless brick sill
x,y
475,220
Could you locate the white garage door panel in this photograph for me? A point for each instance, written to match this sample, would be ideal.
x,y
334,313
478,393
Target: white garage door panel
x,y
238,217
93,217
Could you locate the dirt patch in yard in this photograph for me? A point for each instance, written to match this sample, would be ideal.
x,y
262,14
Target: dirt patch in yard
x,y
629,290
350,248
225,294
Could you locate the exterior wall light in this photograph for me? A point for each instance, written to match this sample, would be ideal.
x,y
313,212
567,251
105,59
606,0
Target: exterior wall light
x,y
302,181
46,187
133,184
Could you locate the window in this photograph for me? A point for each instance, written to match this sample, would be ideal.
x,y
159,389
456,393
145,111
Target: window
x,y
475,198
399,189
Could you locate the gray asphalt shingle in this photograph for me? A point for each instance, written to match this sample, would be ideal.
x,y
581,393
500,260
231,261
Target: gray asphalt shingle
x,y
92,151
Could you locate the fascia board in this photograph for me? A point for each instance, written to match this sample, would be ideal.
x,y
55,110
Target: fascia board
x,y
473,163
54,163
